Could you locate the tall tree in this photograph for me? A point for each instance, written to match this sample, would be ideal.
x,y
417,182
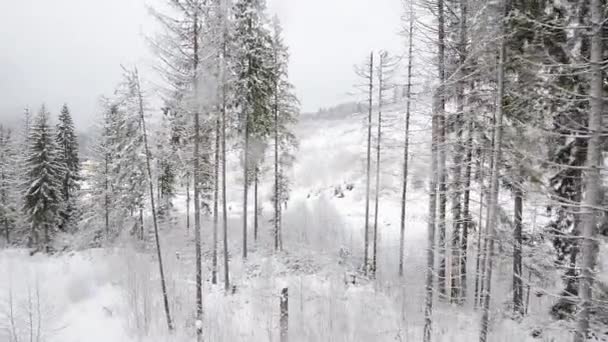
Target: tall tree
x,y
67,144
135,93
366,72
44,174
285,112
592,198
253,89
408,99
9,191
494,178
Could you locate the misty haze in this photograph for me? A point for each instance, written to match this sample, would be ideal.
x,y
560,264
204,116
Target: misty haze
x,y
319,170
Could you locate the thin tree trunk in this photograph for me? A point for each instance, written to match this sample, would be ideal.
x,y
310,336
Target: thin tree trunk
x,y
438,112
152,204
408,94
368,165
592,173
141,224
484,239
276,164
441,127
466,215
494,185
480,234
284,319
457,215
430,268
255,203
518,289
197,183
7,232
224,199
216,168
378,154
106,198
245,184
187,204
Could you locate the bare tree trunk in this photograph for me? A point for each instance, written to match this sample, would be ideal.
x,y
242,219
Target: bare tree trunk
x,y
197,189
484,237
457,214
430,268
408,94
106,197
518,289
216,181
466,215
368,166
187,204
592,197
284,319
152,204
494,185
438,112
480,234
256,171
224,108
141,224
378,154
441,171
277,191
245,184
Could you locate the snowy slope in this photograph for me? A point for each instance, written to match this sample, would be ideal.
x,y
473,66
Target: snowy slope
x,y
113,294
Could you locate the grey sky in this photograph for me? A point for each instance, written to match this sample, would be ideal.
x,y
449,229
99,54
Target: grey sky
x,y
71,50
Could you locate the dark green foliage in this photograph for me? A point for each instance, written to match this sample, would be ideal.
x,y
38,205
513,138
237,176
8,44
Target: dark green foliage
x,y
67,144
44,175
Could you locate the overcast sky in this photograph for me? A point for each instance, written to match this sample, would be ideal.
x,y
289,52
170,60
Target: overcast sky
x,y
56,51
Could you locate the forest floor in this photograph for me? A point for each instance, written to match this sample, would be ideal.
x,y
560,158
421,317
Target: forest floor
x,y
113,294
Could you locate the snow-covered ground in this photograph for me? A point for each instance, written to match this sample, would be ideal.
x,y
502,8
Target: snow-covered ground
x,y
113,294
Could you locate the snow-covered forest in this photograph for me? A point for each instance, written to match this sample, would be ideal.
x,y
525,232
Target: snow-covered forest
x,y
459,195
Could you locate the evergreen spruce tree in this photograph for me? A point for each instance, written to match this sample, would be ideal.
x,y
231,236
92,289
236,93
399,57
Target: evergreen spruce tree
x,y
67,144
44,173
253,90
9,191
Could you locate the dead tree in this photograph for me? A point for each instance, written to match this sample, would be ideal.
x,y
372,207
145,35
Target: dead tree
x,y
134,80
408,95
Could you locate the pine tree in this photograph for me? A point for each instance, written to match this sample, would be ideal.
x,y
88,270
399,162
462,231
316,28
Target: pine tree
x,y
45,175
253,90
9,191
67,144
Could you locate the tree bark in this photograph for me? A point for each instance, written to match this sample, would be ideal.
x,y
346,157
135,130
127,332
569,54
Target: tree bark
x,y
408,94
466,215
215,200
224,108
480,234
368,165
284,319
441,127
276,163
197,189
152,205
187,204
255,203
378,154
592,197
494,185
518,289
